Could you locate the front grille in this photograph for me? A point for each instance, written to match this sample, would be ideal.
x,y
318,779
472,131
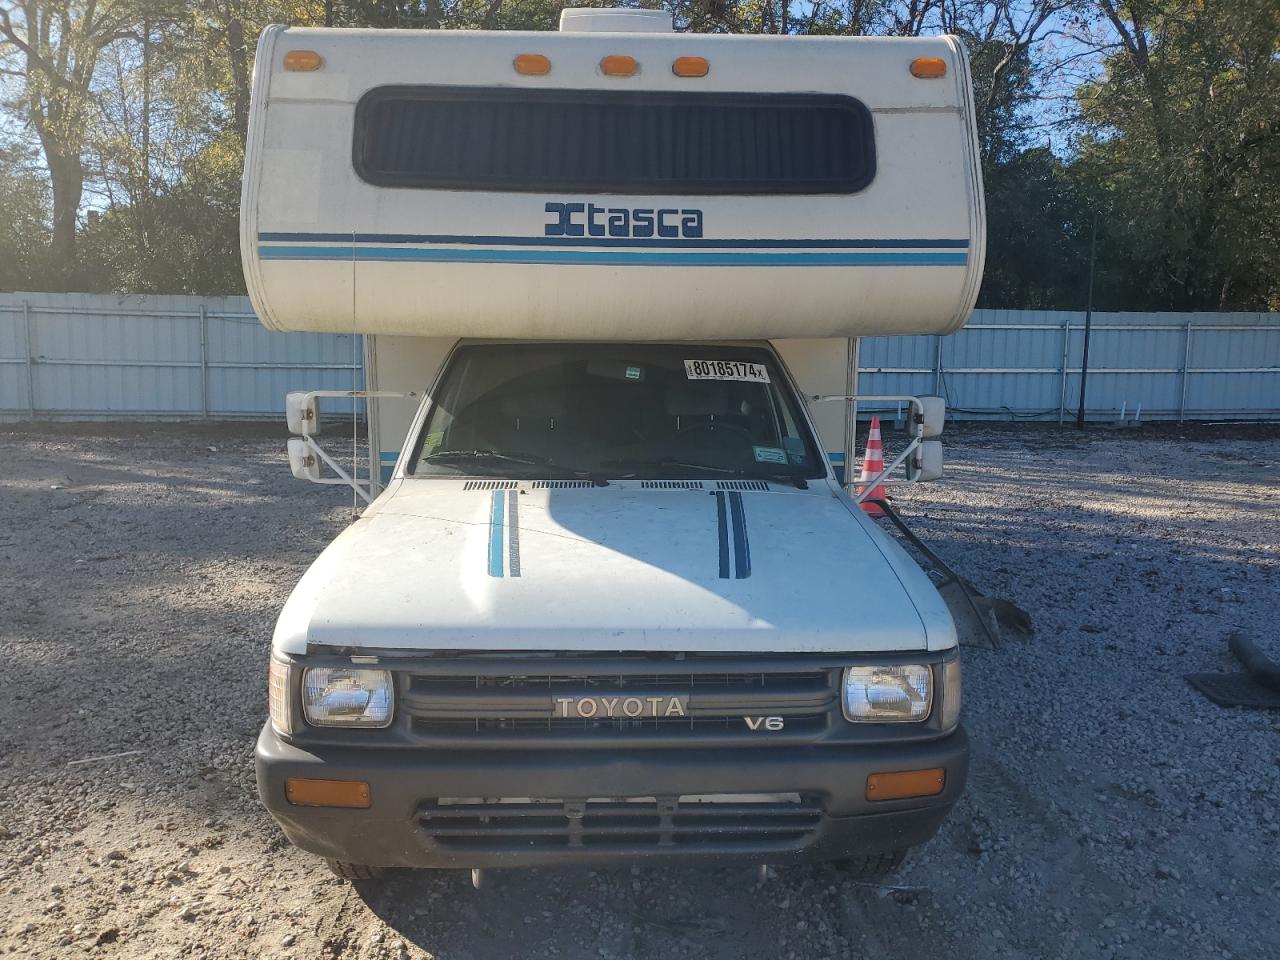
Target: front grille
x,y
753,681
452,707
725,821
576,728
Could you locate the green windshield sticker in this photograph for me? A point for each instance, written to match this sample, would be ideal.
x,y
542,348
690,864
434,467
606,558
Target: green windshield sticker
x,y
433,440
634,373
770,455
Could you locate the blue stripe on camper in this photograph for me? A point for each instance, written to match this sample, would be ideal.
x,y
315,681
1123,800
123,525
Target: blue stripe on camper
x,y
588,241
386,464
495,532
618,258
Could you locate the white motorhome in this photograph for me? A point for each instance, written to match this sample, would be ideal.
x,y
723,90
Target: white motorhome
x,y
610,598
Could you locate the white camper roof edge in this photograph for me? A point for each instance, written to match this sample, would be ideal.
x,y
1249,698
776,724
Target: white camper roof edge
x,y
378,291
978,250
253,157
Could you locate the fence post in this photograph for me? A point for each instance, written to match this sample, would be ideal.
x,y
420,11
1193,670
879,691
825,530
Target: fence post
x,y
937,366
204,361
1066,347
29,359
1186,362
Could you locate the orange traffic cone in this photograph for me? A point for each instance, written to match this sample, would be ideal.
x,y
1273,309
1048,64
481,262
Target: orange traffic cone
x,y
873,464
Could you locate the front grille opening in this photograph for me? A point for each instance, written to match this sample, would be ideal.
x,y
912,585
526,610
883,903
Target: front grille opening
x,y
809,679
724,822
575,728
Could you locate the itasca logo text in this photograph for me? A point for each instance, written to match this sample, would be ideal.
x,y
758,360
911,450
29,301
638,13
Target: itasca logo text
x,y
589,220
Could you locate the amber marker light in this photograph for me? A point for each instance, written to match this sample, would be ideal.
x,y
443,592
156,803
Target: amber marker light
x,y
303,792
910,783
619,66
928,68
303,61
532,64
690,67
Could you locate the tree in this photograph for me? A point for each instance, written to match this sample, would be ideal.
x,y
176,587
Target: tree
x,y
1180,152
58,43
24,226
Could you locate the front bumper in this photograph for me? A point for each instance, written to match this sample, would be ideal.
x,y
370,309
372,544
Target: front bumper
x,y
391,831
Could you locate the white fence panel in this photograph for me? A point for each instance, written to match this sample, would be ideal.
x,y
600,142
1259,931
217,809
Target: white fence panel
x,y
90,356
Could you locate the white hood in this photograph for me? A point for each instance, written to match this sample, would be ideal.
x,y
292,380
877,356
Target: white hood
x,y
435,565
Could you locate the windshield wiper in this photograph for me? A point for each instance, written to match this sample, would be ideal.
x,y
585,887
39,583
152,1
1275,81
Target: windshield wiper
x,y
663,462
525,459
777,476
444,456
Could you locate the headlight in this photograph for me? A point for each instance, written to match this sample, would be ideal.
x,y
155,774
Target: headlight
x,y
347,697
888,694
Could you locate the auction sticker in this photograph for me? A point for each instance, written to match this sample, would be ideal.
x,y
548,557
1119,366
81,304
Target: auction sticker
x,y
726,370
770,454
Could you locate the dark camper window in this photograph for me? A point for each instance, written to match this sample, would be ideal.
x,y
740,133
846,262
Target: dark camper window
x,y
604,141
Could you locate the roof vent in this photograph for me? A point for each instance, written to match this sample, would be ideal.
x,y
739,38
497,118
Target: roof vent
x,y
591,20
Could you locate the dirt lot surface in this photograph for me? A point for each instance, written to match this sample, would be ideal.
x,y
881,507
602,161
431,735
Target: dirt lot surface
x,y
1111,811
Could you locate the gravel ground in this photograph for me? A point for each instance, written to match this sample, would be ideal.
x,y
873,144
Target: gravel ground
x,y
1111,811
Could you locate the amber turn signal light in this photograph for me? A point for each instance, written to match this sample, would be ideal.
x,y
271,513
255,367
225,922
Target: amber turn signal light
x,y
532,64
303,60
928,68
690,67
910,783
619,66
327,793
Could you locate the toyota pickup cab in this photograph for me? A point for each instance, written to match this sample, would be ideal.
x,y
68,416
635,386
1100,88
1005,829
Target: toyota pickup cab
x,y
612,603
612,596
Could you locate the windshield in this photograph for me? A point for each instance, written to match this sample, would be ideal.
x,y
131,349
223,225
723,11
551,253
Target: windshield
x,y
615,411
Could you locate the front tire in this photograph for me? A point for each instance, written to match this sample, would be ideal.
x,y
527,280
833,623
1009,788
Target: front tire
x,y
353,871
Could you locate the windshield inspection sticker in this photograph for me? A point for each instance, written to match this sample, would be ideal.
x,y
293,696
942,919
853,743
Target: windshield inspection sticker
x,y
726,370
770,455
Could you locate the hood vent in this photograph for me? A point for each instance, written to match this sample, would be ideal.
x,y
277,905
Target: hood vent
x,y
741,485
560,484
671,484
490,485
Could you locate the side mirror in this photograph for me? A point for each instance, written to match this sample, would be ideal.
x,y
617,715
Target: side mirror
x,y
303,461
935,416
925,463
302,412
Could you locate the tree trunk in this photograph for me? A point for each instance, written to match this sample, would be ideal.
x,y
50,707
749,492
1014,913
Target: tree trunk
x,y
238,56
66,179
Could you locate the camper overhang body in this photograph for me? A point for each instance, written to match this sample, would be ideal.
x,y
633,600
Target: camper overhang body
x,y
611,599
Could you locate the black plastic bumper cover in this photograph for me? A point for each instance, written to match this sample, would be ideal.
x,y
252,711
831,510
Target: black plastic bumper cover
x,y
388,833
